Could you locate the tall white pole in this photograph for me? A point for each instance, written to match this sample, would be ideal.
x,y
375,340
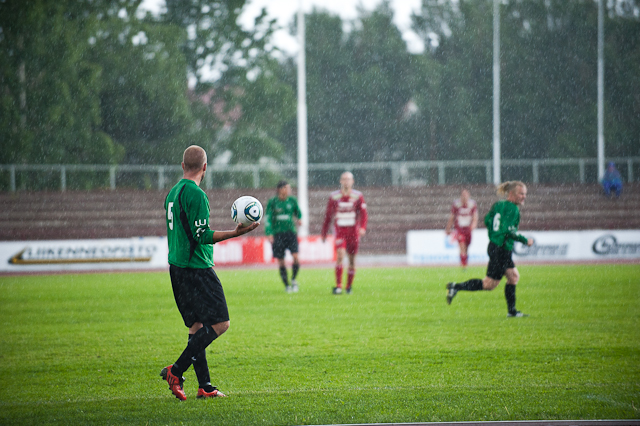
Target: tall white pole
x,y
496,92
303,175
600,90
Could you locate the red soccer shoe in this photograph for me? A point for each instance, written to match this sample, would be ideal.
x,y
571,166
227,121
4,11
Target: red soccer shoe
x,y
215,393
175,384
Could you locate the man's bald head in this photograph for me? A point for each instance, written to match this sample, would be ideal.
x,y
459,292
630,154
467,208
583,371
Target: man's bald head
x,y
194,159
346,182
464,196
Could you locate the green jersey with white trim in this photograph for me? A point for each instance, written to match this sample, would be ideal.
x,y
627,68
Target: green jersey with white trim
x,y
188,234
502,223
281,215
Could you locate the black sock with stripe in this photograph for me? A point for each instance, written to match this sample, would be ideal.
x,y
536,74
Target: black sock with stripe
x,y
283,275
201,368
471,285
510,295
197,343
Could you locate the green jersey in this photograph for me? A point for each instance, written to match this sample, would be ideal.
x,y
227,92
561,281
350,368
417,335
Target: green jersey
x,y
281,215
502,222
188,234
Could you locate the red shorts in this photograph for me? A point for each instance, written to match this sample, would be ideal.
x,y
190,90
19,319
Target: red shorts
x,y
463,235
347,238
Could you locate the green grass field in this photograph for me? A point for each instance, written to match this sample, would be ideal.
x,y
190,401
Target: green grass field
x,y
88,349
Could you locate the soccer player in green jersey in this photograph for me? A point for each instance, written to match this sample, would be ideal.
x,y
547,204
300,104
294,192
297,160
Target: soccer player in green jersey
x,y
280,219
196,287
502,223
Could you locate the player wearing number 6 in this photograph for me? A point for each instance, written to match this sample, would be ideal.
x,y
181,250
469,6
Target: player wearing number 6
x,y
502,223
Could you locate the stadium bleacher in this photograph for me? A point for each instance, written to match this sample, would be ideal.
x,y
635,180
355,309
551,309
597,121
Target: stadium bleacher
x,y
392,210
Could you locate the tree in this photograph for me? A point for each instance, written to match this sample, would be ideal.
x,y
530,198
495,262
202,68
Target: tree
x,y
266,104
548,77
327,86
246,86
50,91
143,91
380,86
622,81
358,86
213,37
98,83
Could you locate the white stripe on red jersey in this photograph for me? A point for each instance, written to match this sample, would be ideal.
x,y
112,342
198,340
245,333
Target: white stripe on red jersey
x,y
463,213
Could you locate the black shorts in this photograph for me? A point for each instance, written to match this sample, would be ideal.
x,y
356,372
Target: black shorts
x,y
499,261
199,295
283,241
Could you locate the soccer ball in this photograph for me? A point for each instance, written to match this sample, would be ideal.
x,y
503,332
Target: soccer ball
x,y
246,210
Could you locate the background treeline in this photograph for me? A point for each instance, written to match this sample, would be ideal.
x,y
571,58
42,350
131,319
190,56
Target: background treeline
x,y
97,81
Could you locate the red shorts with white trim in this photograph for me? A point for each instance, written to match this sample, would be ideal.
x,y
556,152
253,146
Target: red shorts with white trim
x,y
463,235
347,238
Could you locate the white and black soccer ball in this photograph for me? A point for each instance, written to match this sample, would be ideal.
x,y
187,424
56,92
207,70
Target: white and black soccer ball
x,y
246,210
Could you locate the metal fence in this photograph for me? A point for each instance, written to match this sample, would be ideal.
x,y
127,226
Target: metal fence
x,y
387,173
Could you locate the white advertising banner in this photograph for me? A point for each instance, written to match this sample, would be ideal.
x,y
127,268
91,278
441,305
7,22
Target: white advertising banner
x,y
143,253
79,255
435,247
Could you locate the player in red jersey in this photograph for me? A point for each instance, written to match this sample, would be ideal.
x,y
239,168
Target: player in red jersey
x,y
464,218
348,208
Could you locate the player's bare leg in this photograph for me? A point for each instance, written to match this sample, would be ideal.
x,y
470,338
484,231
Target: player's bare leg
x,y
340,252
513,276
463,254
489,283
351,273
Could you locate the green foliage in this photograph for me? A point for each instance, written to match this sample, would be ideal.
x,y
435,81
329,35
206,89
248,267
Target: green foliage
x,y
93,81
212,35
460,94
380,78
99,83
327,65
622,86
50,92
548,77
248,102
88,348
362,83
266,104
144,92
358,85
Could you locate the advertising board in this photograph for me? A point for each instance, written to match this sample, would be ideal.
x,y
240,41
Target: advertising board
x,y
435,247
142,253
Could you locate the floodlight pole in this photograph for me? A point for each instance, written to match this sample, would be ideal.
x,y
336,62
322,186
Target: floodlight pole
x,y
303,175
600,90
496,92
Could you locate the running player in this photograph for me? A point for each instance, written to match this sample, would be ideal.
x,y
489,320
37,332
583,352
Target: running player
x,y
464,219
348,208
196,287
502,223
280,219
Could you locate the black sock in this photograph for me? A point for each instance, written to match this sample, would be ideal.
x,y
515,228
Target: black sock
x,y
294,271
510,295
208,387
471,285
201,367
197,344
283,275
